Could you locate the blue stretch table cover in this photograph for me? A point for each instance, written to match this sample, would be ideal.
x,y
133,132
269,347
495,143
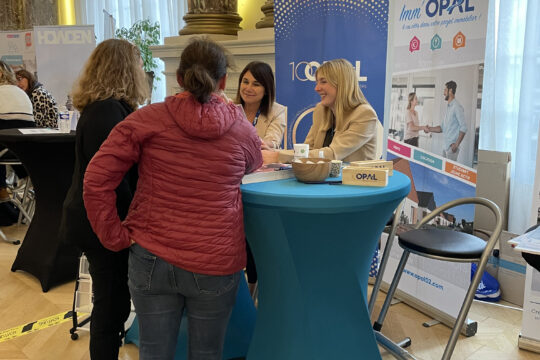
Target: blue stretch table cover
x,y
239,330
313,244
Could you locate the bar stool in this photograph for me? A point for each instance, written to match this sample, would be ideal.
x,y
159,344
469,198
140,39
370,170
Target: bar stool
x,y
446,245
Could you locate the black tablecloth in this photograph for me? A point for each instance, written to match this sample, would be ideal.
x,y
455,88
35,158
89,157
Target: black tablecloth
x,y
49,160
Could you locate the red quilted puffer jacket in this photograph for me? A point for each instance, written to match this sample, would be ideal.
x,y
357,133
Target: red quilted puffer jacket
x,y
187,208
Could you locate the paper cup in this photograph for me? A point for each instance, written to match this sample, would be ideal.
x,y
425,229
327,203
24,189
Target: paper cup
x,y
301,151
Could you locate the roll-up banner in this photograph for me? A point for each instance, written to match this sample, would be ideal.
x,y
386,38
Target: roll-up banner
x,y
530,332
61,52
308,33
438,52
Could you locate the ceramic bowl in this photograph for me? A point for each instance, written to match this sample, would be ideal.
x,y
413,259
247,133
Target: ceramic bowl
x,y
311,169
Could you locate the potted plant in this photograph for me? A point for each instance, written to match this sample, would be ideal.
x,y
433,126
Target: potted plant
x,y
144,34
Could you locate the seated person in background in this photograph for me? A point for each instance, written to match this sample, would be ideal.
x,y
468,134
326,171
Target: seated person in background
x,y
344,124
256,93
15,112
45,108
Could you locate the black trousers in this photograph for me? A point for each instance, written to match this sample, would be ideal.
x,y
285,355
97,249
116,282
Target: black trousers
x,y
112,303
412,141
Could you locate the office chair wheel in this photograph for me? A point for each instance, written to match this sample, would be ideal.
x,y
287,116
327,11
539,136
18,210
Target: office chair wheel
x,y
405,343
16,242
74,336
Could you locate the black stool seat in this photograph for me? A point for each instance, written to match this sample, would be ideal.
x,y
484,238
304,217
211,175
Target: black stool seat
x,y
445,243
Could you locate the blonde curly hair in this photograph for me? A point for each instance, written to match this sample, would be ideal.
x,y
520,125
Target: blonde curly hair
x,y
113,70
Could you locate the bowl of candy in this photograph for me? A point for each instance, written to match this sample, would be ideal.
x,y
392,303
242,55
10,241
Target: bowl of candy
x,y
311,170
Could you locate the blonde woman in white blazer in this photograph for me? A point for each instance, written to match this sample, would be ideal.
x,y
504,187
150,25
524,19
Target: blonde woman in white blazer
x,y
257,92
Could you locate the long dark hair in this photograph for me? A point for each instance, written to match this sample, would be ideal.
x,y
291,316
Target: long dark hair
x,y
262,72
202,64
31,80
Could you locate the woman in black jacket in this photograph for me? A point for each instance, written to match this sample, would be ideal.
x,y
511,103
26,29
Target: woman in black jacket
x,y
111,86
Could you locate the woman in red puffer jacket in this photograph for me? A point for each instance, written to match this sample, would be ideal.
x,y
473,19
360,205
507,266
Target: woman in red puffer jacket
x,y
185,223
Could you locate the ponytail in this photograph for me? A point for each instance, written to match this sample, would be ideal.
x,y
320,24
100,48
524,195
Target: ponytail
x,y
198,81
202,64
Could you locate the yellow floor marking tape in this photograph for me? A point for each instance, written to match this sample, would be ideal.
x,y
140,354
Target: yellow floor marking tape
x,y
37,325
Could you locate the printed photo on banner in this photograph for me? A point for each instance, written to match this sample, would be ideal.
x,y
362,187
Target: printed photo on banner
x,y
438,111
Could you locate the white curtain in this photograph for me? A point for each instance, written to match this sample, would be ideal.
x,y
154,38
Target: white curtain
x,y
511,98
168,13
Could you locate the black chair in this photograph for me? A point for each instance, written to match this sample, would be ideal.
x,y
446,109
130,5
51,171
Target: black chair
x,y
446,245
21,197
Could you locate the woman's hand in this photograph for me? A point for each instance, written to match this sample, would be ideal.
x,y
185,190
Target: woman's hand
x,y
269,156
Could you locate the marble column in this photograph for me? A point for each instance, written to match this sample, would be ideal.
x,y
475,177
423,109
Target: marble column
x,y
24,14
268,11
212,17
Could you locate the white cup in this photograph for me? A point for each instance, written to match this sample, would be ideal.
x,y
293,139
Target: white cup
x,y
301,151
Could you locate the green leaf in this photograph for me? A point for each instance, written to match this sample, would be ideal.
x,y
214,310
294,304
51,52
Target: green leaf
x,y
143,34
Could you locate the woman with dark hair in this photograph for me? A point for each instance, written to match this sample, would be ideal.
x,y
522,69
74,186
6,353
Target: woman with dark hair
x,y
257,93
184,228
43,103
111,86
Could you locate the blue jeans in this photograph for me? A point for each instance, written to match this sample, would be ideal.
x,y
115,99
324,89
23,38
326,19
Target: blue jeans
x,y
161,291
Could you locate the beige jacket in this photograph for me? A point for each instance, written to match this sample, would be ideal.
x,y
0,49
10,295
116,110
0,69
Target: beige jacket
x,y
355,137
271,128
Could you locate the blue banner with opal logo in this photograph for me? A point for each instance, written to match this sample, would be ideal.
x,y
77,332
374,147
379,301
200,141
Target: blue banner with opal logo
x,y
308,33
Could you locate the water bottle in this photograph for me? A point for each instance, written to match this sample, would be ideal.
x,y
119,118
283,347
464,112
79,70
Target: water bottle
x,y
64,124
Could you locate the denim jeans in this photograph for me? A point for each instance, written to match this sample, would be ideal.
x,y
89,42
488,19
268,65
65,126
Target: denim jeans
x,y
161,292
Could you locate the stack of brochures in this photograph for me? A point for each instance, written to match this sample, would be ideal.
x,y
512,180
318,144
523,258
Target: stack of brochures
x,y
528,242
269,172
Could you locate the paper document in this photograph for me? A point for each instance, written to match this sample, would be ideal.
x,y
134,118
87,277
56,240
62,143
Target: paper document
x,y
39,131
269,172
528,242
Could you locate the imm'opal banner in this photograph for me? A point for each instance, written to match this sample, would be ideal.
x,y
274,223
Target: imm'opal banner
x,y
438,54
